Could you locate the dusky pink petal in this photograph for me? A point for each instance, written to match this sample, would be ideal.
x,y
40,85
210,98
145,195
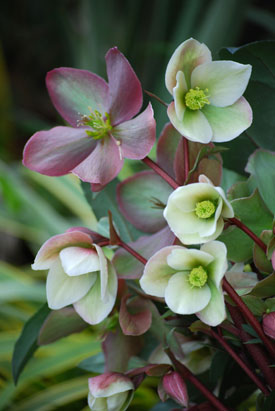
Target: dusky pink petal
x,y
175,386
57,151
103,164
168,142
51,248
135,317
137,136
125,92
72,91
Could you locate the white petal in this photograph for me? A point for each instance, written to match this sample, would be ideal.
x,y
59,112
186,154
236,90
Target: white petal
x,y
63,290
214,313
218,267
157,273
178,93
228,122
79,260
116,401
194,126
185,259
182,298
103,272
226,81
92,308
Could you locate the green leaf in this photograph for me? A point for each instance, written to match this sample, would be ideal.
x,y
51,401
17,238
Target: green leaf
x,y
270,304
95,363
59,324
260,259
218,366
255,215
265,288
105,200
260,92
26,345
255,304
261,165
265,403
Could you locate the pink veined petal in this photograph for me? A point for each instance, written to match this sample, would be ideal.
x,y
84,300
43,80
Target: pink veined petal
x,y
137,136
103,164
125,92
72,91
57,151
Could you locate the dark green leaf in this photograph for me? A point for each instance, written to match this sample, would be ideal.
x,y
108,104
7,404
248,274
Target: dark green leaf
x,y
255,304
265,403
265,288
26,344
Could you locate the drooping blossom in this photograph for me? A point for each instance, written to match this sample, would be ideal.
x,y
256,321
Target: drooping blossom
x,y
103,130
110,392
175,387
195,212
79,274
208,103
189,280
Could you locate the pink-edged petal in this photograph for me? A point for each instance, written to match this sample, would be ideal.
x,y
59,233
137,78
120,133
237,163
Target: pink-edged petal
x,y
91,307
103,266
79,260
157,272
167,146
73,91
125,92
137,136
51,248
94,235
63,290
225,81
109,384
194,125
182,298
214,313
228,122
186,57
218,267
103,164
57,151
135,316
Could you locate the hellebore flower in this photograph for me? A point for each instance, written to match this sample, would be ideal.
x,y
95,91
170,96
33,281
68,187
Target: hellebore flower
x,y
208,103
110,392
195,212
189,280
79,274
103,129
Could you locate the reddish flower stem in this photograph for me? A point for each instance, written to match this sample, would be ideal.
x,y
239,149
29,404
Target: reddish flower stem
x,y
189,376
186,158
255,350
132,252
241,363
156,97
250,233
249,316
150,163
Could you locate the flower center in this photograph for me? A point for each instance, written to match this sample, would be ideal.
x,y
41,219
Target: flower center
x,y
196,98
198,277
100,125
205,209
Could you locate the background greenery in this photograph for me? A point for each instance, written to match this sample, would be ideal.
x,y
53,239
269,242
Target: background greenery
x,y
37,36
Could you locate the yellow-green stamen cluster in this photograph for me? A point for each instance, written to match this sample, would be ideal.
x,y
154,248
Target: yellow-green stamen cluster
x,y
100,125
205,209
198,277
196,98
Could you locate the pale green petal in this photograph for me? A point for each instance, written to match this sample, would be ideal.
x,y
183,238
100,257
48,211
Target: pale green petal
x,y
103,263
214,313
185,259
179,93
227,209
79,260
115,402
92,308
186,57
218,267
228,122
226,81
157,273
97,404
181,298
63,290
186,197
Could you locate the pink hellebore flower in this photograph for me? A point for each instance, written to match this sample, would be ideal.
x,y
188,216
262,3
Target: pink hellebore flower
x,y
103,129
110,392
79,274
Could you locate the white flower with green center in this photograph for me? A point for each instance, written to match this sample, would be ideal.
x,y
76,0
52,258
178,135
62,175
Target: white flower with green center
x,y
208,103
189,280
195,212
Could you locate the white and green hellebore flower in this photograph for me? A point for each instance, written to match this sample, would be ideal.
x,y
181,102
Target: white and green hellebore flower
x,y
195,212
79,274
208,103
189,280
110,392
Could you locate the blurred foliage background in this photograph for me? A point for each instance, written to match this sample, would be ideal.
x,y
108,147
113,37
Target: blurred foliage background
x,y
37,36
